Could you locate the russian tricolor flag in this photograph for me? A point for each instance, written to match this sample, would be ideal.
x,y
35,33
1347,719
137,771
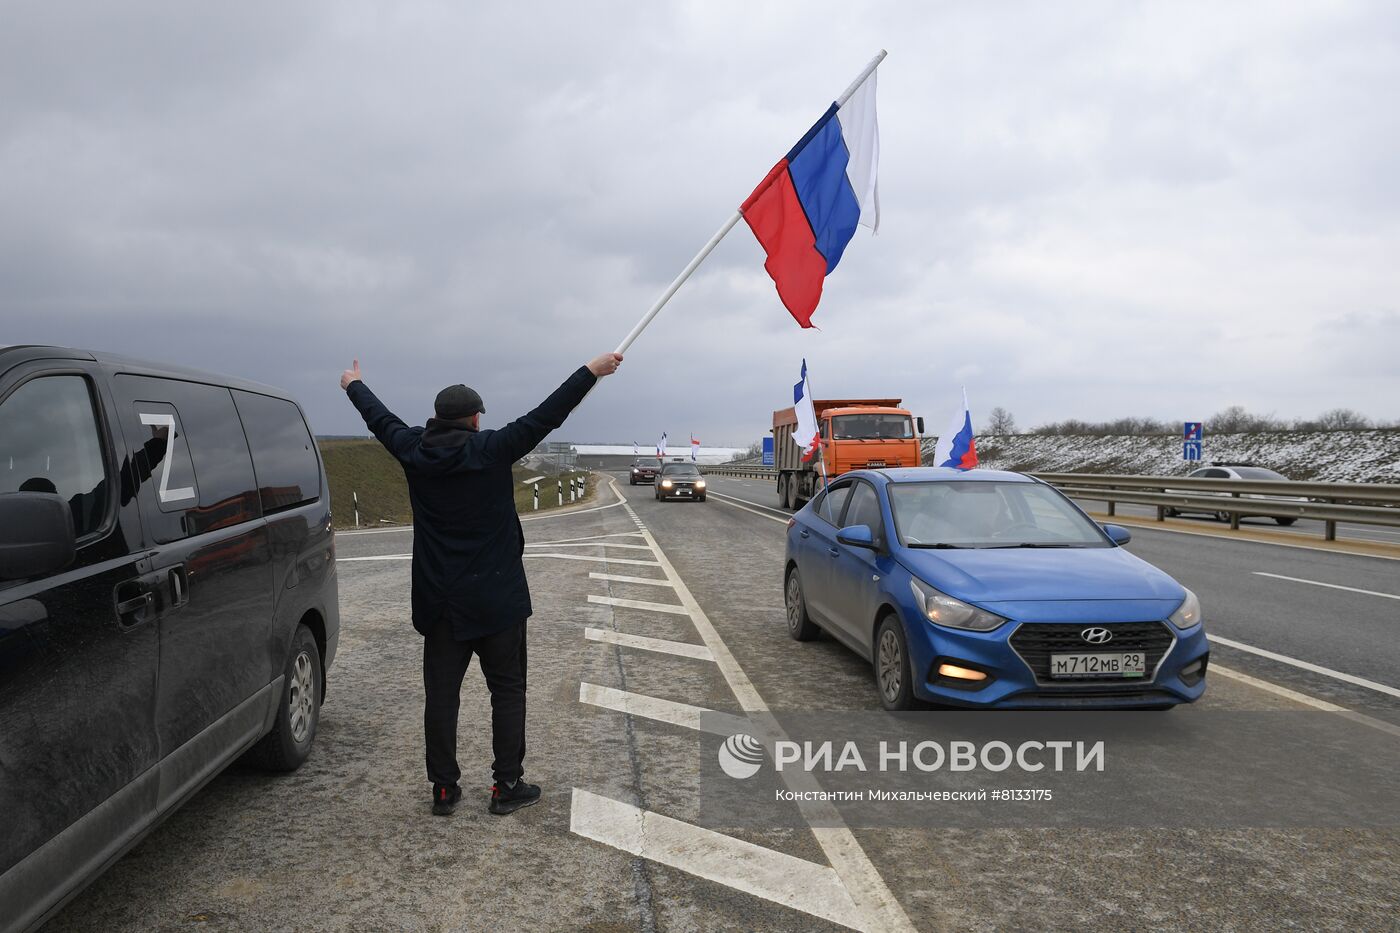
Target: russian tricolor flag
x,y
807,208
956,446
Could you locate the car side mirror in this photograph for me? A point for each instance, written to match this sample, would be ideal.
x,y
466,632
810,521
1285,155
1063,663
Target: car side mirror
x,y
919,423
856,536
1118,533
36,534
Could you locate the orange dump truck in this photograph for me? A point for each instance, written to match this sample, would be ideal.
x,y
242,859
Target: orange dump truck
x,y
857,434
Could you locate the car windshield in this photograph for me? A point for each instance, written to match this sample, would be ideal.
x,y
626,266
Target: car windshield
x,y
651,462
981,514
1258,473
680,469
870,427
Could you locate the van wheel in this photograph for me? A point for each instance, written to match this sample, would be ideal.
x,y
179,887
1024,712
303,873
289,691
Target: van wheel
x,y
1285,522
289,742
893,681
1222,516
800,625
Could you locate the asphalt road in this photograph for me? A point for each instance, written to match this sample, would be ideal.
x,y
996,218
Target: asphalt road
x,y
348,842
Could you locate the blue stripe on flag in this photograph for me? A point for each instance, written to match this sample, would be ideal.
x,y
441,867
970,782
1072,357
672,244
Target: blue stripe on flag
x,y
818,169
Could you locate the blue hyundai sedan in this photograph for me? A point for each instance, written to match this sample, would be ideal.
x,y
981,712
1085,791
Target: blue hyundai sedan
x,y
989,589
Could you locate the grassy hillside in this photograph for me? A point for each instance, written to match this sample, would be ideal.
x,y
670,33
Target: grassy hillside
x,y
365,468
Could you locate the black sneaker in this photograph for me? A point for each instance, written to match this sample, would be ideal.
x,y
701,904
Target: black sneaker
x,y
445,797
507,798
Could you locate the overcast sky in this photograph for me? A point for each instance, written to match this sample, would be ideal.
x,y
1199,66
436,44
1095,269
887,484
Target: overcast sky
x,y
1089,209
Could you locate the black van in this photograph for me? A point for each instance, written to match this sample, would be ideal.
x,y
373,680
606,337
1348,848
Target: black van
x,y
167,603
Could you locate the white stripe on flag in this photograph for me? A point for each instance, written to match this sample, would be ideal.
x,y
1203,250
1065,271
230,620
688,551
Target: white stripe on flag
x,y
860,129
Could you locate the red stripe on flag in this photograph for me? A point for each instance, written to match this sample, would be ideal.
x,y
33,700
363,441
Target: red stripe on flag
x,y
969,459
777,219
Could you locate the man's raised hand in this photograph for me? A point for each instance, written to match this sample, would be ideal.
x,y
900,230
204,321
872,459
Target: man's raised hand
x,y
601,366
350,375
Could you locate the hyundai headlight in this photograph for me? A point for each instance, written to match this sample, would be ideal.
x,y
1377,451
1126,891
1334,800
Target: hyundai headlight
x,y
1188,614
942,609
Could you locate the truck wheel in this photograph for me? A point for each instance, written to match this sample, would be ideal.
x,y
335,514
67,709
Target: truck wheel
x,y
782,490
800,625
288,745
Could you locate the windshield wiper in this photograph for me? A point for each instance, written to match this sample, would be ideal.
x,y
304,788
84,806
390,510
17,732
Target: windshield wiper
x,y
1029,544
942,545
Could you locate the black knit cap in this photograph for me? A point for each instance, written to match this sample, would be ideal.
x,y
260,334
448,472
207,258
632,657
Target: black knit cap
x,y
456,402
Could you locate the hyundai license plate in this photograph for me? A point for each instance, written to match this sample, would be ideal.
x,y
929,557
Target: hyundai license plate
x,y
1121,664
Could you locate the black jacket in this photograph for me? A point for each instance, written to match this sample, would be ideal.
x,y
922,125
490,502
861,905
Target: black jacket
x,y
467,539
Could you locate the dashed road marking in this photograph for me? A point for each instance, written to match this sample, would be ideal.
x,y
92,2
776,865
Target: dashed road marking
x,y
1306,700
668,711
622,578
635,547
347,560
740,504
620,534
642,642
598,560
1305,665
638,604
775,876
1330,586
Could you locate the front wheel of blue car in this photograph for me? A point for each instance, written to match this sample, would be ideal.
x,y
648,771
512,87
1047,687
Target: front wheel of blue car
x,y
892,676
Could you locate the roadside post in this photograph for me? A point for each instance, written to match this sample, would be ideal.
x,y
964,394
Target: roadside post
x,y
537,497
580,487
561,490
355,497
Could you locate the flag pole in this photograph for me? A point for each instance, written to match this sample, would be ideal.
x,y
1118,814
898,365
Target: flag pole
x,y
728,225
671,289
821,449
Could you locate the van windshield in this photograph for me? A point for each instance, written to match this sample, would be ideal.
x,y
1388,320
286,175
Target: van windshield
x,y
872,426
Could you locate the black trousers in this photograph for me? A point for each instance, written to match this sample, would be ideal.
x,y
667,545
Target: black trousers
x,y
445,662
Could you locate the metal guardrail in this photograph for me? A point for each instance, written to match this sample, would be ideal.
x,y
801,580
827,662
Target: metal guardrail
x,y
1329,503
754,472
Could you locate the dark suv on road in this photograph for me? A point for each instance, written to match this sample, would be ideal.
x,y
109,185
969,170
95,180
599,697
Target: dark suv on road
x,y
644,470
167,603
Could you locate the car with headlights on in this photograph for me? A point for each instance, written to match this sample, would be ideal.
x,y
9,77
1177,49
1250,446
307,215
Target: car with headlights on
x,y
984,588
680,481
644,470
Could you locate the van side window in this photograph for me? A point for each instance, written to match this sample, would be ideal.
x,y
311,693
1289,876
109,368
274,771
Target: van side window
x,y
284,455
199,480
49,442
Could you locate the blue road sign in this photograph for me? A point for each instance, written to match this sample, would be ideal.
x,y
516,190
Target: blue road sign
x,y
768,451
1194,432
1191,450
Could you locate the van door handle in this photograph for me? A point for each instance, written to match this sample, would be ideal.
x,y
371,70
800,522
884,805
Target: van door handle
x,y
179,586
131,611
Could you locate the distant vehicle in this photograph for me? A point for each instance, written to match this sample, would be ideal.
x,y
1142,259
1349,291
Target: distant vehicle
x,y
1244,471
644,470
989,589
856,434
680,481
167,603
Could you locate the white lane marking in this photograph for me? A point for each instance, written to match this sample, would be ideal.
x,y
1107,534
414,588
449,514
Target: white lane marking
x,y
570,514
766,873
533,479
877,906
637,604
1305,665
620,534
662,645
374,531
1330,586
667,711
1148,525
1314,702
634,547
1275,689
347,560
599,560
622,578
739,504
